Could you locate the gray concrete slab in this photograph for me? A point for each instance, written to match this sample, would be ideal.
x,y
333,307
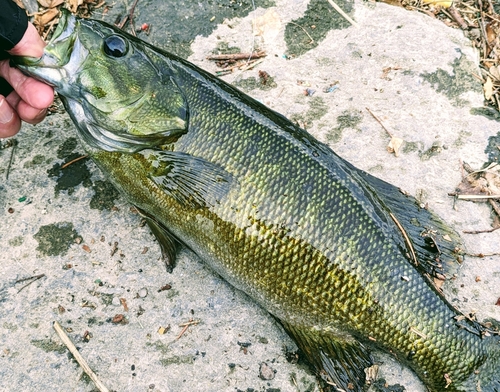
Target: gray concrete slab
x,y
68,231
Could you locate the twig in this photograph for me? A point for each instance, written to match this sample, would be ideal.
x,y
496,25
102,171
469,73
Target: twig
x,y
405,236
35,278
494,206
251,65
311,38
380,122
73,350
474,197
10,161
186,326
237,56
481,231
241,67
49,29
73,161
339,10
482,255
129,17
455,14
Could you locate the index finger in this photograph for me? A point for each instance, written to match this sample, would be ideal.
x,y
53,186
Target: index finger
x,y
35,93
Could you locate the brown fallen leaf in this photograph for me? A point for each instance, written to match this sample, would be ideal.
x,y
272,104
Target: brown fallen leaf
x,y
46,17
394,145
50,3
74,4
488,89
440,3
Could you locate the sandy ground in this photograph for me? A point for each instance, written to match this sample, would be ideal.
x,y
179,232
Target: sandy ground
x,y
99,261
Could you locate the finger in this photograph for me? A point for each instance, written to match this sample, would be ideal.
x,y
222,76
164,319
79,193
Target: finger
x,y
30,114
30,45
35,93
9,120
25,111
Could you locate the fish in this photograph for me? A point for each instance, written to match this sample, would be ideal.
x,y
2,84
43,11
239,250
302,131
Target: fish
x,y
346,262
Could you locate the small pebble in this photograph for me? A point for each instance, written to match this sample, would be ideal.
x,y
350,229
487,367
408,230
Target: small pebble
x,y
143,292
266,372
116,301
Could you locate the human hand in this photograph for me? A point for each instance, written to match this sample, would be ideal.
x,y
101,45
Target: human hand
x,y
31,98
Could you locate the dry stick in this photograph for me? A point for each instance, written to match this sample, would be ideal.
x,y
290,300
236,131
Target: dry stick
x,y
30,277
186,326
311,38
475,197
10,162
237,56
250,65
455,15
241,67
405,236
380,122
71,347
129,16
339,10
481,231
35,278
73,161
494,206
482,255
51,26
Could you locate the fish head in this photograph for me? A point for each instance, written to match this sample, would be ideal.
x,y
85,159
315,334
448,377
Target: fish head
x,y
121,94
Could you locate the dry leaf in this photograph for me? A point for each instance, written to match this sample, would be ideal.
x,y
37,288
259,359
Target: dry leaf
x,y
50,3
488,88
74,4
438,283
46,17
394,145
440,3
495,72
267,26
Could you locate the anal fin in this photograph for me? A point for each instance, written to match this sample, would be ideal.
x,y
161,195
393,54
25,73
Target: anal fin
x,y
340,363
169,245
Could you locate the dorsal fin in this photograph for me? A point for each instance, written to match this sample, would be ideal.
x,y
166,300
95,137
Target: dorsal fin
x,y
434,247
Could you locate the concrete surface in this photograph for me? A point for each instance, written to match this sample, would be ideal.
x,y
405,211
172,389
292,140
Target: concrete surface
x,y
96,256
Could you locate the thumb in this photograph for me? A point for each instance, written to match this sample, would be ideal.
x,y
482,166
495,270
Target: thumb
x,y
30,45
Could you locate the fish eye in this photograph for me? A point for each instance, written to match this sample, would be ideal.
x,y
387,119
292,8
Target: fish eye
x,y
115,46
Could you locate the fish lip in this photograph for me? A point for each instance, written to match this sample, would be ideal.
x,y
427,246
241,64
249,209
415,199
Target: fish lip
x,y
57,53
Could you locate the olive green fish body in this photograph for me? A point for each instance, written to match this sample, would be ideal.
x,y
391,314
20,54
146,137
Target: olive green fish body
x,y
322,246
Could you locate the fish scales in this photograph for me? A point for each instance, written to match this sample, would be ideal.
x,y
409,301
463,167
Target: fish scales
x,y
276,213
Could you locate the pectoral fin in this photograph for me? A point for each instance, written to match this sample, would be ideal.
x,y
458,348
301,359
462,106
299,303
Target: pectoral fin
x,y
192,181
169,245
340,363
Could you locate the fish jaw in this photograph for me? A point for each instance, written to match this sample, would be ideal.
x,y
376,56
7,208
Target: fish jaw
x,y
61,59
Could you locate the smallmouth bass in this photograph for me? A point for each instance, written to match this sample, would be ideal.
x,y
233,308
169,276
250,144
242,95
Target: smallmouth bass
x,y
342,259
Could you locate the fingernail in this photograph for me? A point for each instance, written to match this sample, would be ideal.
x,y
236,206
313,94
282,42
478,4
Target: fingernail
x,y
41,113
6,113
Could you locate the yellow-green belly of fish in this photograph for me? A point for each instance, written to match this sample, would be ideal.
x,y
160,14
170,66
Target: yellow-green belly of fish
x,y
344,260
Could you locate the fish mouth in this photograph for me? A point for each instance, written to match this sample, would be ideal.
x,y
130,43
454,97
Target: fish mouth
x,y
57,54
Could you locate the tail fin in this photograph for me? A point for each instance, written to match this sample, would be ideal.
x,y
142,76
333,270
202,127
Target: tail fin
x,y
489,372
